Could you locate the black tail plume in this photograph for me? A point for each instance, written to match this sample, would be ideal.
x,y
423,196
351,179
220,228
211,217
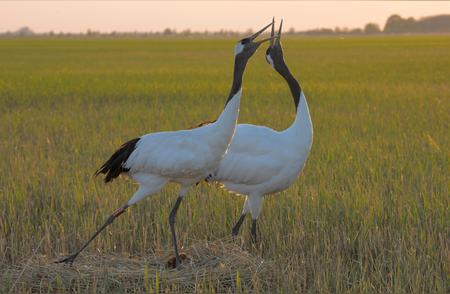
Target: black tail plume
x,y
113,167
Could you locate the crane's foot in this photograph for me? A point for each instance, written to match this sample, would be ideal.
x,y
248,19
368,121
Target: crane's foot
x,y
173,263
68,260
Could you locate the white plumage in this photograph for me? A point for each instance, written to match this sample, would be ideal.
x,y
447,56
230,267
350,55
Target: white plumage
x,y
183,157
264,161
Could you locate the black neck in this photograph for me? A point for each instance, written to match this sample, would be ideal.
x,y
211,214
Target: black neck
x,y
239,68
294,86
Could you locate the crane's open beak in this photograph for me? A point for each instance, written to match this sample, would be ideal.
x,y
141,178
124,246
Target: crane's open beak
x,y
255,35
265,40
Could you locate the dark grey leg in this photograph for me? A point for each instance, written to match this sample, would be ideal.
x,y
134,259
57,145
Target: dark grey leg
x,y
254,231
172,217
70,259
238,224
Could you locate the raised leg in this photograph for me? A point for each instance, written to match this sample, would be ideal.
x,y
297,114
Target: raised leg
x,y
238,224
70,259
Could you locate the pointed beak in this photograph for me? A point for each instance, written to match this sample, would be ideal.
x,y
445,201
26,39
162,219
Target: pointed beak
x,y
272,33
279,32
255,35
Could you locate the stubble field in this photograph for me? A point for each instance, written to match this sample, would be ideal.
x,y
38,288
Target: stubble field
x,y
370,212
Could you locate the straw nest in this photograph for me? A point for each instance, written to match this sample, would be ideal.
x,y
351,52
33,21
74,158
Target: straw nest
x,y
217,266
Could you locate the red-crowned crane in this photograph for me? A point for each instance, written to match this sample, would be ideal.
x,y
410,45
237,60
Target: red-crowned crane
x,y
261,161
184,157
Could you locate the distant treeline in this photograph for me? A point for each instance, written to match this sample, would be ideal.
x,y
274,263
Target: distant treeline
x,y
433,24
395,24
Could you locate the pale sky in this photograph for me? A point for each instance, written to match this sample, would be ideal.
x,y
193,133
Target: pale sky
x,y
107,16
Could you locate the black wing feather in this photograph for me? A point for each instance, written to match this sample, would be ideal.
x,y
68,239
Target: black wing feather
x,y
113,167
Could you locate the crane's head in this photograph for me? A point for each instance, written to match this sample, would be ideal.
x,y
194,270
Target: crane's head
x,y
246,47
274,54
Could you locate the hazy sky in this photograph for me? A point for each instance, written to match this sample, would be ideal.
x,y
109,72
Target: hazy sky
x,y
106,16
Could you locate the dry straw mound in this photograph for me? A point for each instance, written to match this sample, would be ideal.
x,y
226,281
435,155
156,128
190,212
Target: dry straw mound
x,y
219,266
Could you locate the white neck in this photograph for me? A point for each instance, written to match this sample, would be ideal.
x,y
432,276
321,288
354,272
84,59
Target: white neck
x,y
302,124
226,123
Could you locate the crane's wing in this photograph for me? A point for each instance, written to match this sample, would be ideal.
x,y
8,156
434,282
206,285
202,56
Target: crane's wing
x,y
180,154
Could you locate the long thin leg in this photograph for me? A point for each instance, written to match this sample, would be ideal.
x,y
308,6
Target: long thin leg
x,y
70,259
254,231
238,224
172,217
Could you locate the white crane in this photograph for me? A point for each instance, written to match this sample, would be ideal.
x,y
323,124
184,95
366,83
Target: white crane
x,y
184,157
262,161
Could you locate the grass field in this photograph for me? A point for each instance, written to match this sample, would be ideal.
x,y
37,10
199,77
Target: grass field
x,y
370,213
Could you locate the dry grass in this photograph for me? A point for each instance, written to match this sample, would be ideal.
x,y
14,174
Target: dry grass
x,y
221,265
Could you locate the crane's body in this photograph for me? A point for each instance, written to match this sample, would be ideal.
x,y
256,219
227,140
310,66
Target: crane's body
x,y
264,161
261,161
184,157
